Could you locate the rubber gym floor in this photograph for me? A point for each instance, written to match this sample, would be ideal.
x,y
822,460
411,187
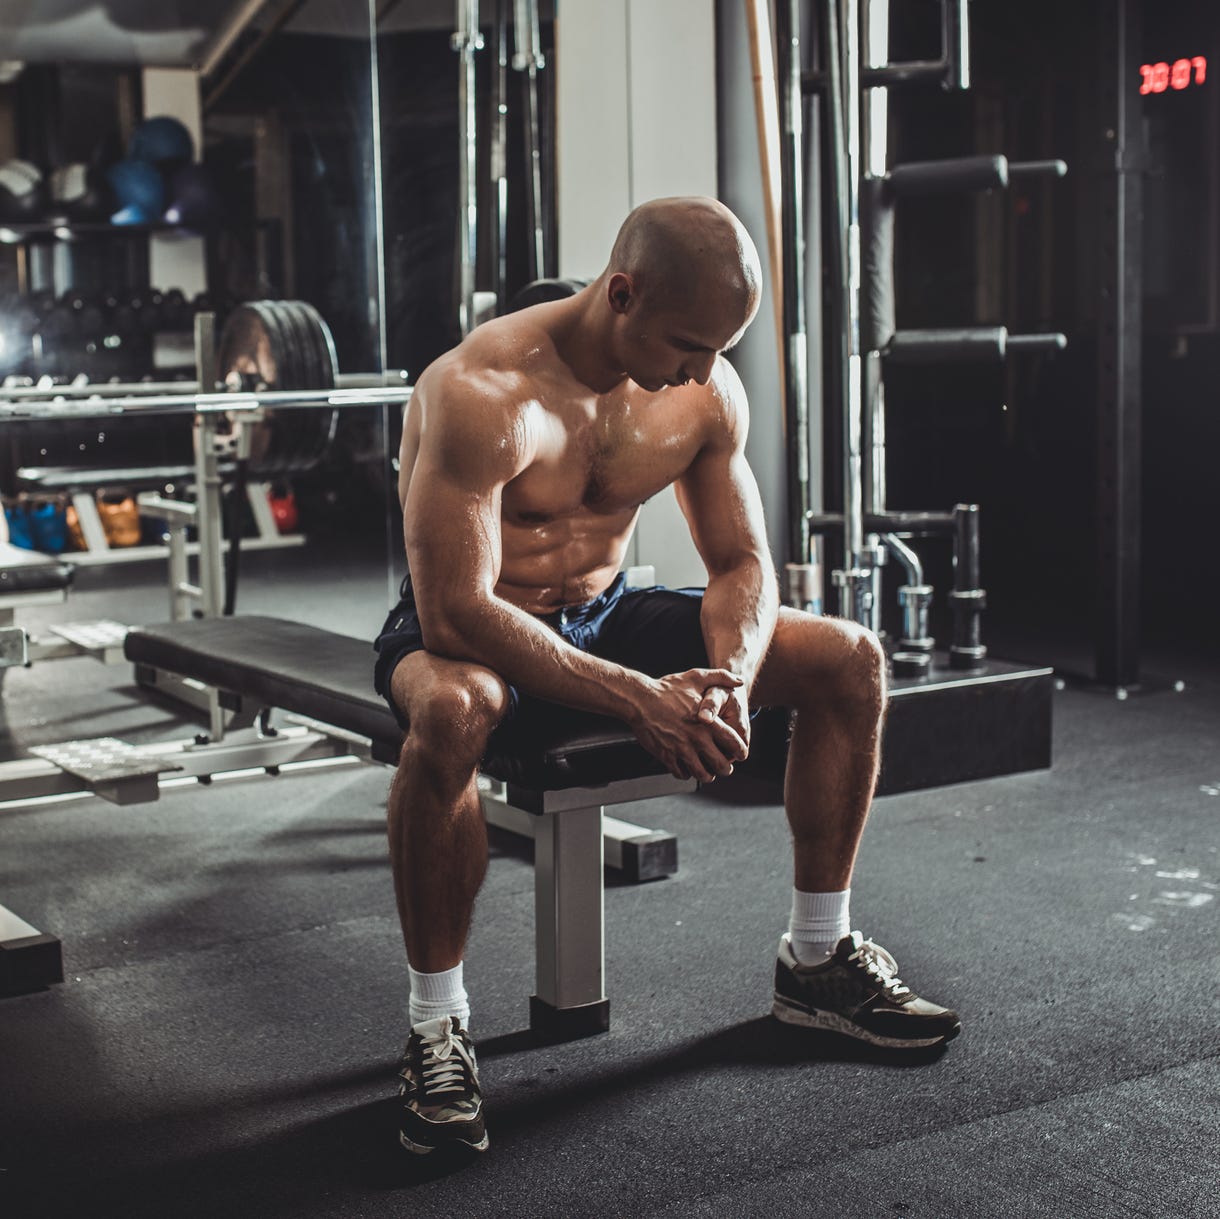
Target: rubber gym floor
x,y
226,1038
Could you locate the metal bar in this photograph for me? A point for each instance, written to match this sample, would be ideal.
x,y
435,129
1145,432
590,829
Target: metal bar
x,y
854,580
90,524
182,593
618,837
529,59
208,508
144,554
213,404
141,389
569,908
891,522
874,51
375,242
955,43
467,41
499,157
1119,342
792,222
258,497
242,752
275,23
967,599
229,33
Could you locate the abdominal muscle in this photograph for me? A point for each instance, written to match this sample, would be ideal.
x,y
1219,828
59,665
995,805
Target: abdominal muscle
x,y
565,562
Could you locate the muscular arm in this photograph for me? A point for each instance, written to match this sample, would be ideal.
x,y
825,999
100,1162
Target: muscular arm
x,y
719,497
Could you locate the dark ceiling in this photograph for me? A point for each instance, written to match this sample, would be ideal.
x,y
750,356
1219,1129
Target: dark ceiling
x,y
173,33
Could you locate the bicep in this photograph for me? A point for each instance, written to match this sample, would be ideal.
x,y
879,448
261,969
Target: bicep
x,y
719,497
452,532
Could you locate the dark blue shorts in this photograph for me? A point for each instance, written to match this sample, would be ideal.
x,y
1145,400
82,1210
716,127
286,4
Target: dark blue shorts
x,y
651,630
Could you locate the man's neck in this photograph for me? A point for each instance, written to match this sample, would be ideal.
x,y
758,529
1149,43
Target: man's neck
x,y
583,343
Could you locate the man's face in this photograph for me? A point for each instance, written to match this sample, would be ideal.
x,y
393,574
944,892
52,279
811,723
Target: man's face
x,y
670,344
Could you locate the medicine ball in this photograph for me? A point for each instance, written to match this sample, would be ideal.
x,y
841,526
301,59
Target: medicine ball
x,y
194,200
138,191
162,141
79,192
23,193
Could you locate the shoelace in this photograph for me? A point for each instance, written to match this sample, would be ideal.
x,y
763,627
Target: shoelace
x,y
442,1069
880,965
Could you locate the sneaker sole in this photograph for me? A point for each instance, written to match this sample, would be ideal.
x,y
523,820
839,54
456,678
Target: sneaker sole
x,y
812,1018
423,1149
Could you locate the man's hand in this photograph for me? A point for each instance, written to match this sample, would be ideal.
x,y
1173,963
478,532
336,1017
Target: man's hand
x,y
668,724
730,705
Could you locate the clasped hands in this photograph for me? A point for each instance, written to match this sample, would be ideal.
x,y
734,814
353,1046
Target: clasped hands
x,y
697,722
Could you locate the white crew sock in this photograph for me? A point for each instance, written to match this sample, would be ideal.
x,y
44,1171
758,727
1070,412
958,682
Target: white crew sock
x,y
439,994
817,923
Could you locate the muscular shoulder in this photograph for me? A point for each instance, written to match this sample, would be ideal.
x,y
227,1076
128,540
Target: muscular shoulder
x,y
473,405
729,410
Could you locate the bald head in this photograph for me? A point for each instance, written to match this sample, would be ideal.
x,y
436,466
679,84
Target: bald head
x,y
680,249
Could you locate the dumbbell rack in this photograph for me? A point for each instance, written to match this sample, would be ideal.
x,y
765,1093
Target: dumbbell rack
x,y
79,402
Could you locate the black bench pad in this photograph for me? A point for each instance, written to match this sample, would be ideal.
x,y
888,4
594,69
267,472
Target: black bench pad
x,y
328,677
31,571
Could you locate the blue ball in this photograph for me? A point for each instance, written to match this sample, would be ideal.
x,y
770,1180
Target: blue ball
x,y
138,189
162,141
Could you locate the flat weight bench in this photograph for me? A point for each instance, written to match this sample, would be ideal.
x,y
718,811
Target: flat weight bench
x,y
558,773
29,577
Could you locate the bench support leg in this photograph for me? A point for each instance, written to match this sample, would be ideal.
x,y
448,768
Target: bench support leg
x,y
569,913
29,959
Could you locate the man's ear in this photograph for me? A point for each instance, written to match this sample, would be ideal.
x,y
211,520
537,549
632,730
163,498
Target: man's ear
x,y
620,292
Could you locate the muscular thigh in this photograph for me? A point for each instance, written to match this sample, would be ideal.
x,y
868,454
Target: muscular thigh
x,y
808,658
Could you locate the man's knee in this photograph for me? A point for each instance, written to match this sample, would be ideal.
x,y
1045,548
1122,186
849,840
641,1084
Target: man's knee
x,y
865,666
453,709
847,669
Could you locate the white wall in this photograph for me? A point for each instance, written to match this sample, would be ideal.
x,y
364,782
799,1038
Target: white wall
x,y
635,120
177,261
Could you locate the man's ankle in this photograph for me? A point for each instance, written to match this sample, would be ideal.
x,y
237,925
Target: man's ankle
x,y
438,994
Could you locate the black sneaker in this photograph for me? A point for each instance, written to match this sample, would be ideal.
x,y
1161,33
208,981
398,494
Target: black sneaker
x,y
858,992
441,1105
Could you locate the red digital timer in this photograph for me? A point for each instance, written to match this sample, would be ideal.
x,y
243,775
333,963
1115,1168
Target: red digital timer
x,y
1157,77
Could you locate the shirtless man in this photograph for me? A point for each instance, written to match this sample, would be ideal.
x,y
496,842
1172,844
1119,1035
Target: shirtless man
x,y
526,454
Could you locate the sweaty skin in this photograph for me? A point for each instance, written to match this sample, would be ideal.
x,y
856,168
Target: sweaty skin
x,y
526,455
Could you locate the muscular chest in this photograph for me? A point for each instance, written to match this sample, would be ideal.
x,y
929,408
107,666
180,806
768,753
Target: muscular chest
x,y
609,464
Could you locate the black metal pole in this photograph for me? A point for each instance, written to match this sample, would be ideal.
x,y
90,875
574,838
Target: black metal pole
x,y
966,597
1119,222
499,158
792,225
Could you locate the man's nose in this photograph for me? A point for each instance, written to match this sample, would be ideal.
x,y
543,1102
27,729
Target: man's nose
x,y
702,371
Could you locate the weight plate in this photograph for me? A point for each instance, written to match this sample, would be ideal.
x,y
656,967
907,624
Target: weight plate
x,y
281,345
295,318
328,361
309,427
297,373
319,349
248,355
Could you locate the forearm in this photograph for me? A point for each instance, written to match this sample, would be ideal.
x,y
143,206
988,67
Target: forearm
x,y
529,655
739,612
